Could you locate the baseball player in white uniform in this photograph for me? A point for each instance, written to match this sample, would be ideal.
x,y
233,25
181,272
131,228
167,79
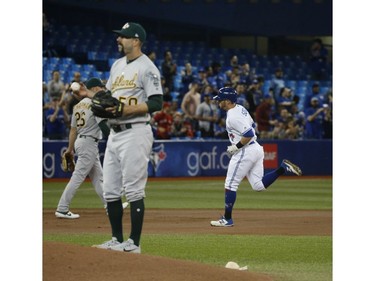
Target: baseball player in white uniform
x,y
135,81
247,154
85,133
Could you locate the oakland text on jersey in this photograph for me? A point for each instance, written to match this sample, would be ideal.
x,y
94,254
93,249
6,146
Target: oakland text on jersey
x,y
122,83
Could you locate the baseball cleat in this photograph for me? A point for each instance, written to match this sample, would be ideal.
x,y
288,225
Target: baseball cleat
x,y
291,168
66,215
222,222
127,246
108,244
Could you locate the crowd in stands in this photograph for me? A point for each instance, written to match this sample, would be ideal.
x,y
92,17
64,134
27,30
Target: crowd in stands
x,y
189,112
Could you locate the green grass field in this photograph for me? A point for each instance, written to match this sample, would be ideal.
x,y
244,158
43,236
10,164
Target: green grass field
x,y
287,258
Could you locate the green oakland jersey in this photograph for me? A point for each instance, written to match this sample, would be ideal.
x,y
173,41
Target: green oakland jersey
x,y
84,120
133,83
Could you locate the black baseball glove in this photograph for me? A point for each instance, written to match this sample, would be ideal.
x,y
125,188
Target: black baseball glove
x,y
103,100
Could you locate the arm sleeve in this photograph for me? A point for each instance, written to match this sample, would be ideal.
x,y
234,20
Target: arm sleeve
x,y
104,128
154,103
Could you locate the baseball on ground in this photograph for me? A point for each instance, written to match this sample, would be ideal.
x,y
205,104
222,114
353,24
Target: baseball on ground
x,y
75,87
234,265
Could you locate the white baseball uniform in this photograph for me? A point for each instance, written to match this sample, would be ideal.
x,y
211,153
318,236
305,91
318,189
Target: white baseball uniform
x,y
248,161
130,141
86,148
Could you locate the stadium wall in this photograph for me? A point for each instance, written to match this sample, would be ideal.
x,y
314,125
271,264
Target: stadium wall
x,y
190,158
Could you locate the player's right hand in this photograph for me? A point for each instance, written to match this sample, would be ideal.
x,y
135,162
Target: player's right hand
x,y
232,149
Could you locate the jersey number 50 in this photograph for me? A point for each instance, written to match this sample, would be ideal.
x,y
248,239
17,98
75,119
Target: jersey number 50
x,y
129,101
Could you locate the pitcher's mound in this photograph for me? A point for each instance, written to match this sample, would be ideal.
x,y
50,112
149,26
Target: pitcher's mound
x,y
68,262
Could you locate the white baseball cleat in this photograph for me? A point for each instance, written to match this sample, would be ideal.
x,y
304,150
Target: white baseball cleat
x,y
108,244
127,246
222,222
290,167
67,215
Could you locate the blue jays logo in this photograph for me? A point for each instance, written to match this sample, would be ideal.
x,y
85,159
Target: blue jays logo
x,y
157,156
231,136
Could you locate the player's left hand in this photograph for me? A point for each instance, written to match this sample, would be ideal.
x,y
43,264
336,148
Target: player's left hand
x,y
106,106
232,149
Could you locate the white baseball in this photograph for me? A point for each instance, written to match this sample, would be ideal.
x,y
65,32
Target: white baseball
x,y
232,265
75,86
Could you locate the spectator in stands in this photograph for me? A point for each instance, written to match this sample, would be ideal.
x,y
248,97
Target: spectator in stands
x,y
46,97
298,116
191,100
277,83
207,116
46,105
202,77
55,86
220,128
57,119
264,116
318,59
327,121
254,96
285,99
315,92
169,70
167,96
293,131
163,120
152,56
277,131
247,74
242,98
234,61
181,128
235,76
218,78
187,76
314,120
190,103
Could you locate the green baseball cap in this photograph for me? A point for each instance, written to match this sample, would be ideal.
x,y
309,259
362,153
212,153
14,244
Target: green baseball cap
x,y
94,82
132,30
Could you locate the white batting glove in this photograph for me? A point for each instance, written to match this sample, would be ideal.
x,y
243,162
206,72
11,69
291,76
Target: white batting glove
x,y
232,149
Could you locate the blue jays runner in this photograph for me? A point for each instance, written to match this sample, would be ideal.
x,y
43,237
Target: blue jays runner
x,y
247,154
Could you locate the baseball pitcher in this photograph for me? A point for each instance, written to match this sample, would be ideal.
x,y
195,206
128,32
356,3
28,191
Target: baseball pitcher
x,y
136,93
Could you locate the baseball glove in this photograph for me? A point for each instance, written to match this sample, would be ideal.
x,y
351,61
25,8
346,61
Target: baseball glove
x,y
103,100
67,162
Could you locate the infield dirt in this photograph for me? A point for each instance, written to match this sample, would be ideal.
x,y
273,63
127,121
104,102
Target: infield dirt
x,y
73,262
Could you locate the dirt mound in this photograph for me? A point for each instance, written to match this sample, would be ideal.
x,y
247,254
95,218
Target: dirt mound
x,y
67,262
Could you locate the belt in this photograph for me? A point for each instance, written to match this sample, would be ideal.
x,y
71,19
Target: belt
x,y
85,137
123,127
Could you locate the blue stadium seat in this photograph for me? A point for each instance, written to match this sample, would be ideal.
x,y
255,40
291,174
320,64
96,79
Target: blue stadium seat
x,y
88,67
67,60
76,67
292,84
